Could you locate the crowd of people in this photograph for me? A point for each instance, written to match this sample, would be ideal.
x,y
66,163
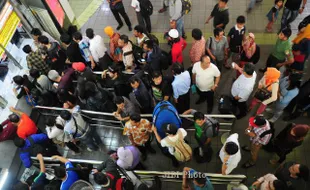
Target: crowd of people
x,y
147,79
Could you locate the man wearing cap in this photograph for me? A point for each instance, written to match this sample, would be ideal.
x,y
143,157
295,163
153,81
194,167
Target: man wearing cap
x,y
259,132
178,45
65,81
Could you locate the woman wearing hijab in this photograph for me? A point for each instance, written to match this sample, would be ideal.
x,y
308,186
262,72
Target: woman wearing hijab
x,y
289,138
114,50
301,45
269,82
250,52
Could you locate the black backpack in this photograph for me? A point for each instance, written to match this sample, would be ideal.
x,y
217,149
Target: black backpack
x,y
34,148
215,129
165,60
82,170
146,7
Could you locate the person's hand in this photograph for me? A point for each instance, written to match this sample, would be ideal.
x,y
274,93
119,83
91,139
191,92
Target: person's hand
x,y
55,157
301,10
175,100
93,65
154,129
213,88
256,184
279,65
114,3
39,156
68,61
66,105
173,24
104,74
12,109
213,57
207,21
94,171
186,169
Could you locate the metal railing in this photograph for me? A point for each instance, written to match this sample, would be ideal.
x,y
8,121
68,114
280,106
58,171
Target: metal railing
x,y
168,176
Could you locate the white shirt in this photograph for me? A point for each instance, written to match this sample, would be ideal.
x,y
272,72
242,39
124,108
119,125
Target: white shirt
x,y
136,5
265,180
97,47
181,84
164,143
233,160
205,77
243,87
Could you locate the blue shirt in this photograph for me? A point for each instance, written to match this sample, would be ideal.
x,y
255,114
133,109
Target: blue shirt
x,y
84,48
208,185
72,177
286,95
181,84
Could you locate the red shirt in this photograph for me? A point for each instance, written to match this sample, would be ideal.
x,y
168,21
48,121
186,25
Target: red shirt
x,y
176,51
26,127
8,132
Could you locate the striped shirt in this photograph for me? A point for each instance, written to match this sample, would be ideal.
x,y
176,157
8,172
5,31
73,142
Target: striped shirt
x,y
260,130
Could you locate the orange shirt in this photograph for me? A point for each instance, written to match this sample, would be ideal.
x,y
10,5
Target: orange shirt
x,y
139,134
26,127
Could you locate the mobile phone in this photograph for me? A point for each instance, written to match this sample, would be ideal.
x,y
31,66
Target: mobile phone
x,y
248,130
142,60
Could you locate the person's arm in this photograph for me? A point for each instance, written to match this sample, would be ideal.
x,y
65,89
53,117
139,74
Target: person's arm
x,y
12,109
288,61
301,10
224,165
216,83
4,123
184,181
212,14
274,94
61,159
52,132
41,161
208,141
184,45
194,78
26,159
158,138
209,50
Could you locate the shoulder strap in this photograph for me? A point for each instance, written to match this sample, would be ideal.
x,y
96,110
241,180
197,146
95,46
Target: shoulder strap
x,y
30,139
210,43
77,127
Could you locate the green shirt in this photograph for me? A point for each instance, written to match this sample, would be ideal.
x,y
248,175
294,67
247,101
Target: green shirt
x,y
198,130
282,49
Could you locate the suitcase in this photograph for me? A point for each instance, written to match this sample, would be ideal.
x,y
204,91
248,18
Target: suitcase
x,y
226,105
207,154
165,112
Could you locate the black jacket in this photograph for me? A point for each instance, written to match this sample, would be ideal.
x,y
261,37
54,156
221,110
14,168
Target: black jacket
x,y
101,101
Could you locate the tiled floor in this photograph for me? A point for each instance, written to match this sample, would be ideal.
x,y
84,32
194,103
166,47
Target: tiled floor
x,y
256,22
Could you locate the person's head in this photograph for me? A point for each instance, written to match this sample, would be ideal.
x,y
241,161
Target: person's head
x,y
257,121
60,172
248,69
300,171
21,186
14,118
123,41
77,36
79,66
199,179
134,82
71,30
222,3
303,25
174,35
135,119
90,88
50,122
177,68
199,118
240,21
54,76
148,45
65,115
19,80
218,33
170,129
279,3
113,71
90,33
285,34
299,131
197,34
34,73
157,77
120,102
36,33
101,179
251,37
205,61
27,49
108,30
231,148
19,142
278,185
138,31
65,39
43,40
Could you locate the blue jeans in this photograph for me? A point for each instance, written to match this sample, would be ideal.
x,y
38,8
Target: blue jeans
x,y
180,26
91,139
288,17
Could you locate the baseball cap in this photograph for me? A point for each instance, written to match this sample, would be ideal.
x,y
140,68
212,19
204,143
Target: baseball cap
x,y
78,66
53,75
257,121
173,33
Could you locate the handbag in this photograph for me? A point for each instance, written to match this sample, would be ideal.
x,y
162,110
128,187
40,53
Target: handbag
x,y
263,93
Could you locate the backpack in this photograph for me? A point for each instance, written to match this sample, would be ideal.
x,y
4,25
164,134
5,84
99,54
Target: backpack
x,y
82,170
136,51
35,148
165,112
182,151
186,6
146,7
165,60
215,129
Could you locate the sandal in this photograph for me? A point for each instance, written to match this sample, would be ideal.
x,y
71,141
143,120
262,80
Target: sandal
x,y
246,148
248,164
